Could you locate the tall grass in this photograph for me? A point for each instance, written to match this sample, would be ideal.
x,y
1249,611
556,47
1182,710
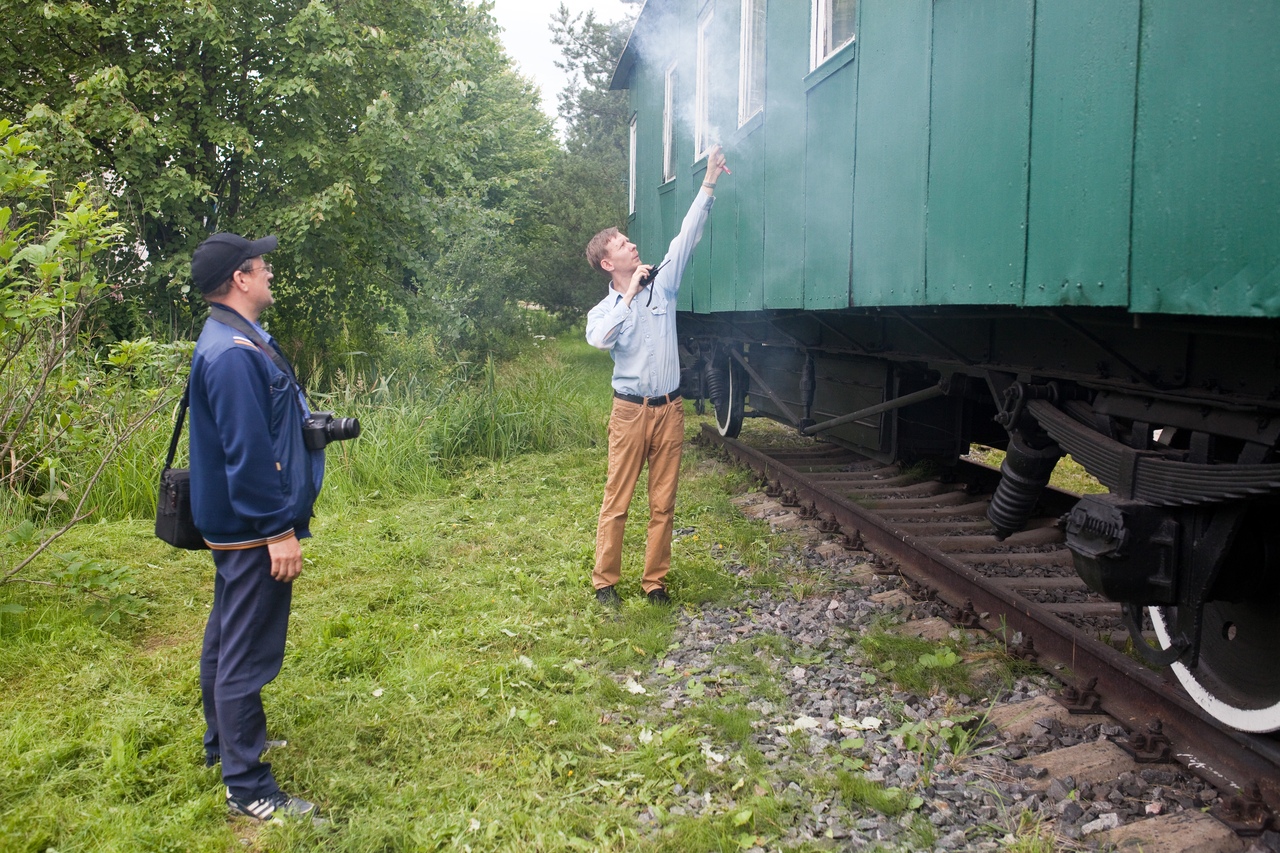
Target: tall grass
x,y
416,430
411,440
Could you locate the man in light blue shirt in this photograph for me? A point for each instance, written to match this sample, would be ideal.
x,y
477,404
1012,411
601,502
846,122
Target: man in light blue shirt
x,y
647,421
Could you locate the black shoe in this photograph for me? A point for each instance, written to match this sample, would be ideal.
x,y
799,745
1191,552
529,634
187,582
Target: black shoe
x,y
276,808
659,596
608,596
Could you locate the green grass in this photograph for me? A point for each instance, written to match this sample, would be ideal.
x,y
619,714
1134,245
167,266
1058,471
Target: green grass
x,y
449,682
1068,474
915,664
857,789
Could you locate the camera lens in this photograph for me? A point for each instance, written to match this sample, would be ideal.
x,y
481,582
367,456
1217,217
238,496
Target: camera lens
x,y
341,429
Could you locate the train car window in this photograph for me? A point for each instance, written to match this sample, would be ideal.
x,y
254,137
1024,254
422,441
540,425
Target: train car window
x,y
751,63
834,24
702,132
669,126
631,169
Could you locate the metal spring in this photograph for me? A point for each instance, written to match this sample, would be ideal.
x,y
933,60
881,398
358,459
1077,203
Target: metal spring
x,y
1023,475
717,385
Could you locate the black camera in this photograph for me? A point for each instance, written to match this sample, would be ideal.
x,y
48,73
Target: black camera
x,y
322,428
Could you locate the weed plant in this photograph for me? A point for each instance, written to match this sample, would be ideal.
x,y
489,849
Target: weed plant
x,y
915,664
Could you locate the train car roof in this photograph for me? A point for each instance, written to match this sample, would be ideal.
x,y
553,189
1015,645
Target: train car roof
x,y
622,71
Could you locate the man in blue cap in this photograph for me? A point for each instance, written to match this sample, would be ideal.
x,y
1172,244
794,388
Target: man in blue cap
x,y
253,484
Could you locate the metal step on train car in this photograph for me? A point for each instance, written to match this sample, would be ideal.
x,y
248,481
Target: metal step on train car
x,y
1051,226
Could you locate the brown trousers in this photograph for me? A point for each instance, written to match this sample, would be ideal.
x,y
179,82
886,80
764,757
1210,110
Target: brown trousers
x,y
637,434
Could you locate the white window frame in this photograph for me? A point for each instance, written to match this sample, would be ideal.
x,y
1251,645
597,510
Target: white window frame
x,y
631,170
702,140
669,125
821,46
750,85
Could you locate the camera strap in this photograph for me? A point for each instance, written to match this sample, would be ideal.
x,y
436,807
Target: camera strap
x,y
230,318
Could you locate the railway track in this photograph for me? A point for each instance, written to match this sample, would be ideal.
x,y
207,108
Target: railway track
x,y
933,530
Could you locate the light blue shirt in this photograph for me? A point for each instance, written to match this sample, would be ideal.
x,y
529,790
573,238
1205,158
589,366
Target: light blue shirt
x,y
642,338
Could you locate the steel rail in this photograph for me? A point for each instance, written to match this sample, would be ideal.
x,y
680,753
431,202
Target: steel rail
x,y
1131,693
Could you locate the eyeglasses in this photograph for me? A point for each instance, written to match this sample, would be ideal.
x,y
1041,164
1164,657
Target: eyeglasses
x,y
265,267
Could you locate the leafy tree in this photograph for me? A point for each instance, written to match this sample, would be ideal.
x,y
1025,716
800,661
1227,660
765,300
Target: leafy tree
x,y
585,190
366,134
62,414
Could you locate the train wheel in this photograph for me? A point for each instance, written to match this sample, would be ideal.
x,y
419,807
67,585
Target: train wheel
x,y
1237,680
729,398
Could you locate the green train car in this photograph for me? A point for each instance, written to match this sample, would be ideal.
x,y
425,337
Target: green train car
x,y
1051,226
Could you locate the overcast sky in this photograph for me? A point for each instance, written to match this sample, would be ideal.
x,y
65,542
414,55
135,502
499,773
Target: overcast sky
x,y
527,37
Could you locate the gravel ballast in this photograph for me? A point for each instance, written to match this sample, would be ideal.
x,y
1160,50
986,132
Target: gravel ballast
x,y
820,715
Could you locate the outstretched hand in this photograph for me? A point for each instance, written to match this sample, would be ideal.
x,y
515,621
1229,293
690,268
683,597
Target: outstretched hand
x,y
715,164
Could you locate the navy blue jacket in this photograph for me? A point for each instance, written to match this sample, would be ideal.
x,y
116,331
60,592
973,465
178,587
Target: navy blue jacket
x,y
252,479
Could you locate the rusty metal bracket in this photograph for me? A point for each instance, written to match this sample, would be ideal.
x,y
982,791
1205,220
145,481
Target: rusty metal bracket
x,y
1025,650
919,591
883,567
1247,813
967,616
1149,747
1081,700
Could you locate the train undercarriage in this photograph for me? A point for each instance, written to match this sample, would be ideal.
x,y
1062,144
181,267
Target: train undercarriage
x,y
1178,418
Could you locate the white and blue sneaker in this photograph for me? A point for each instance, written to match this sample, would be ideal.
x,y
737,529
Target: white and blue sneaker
x,y
274,808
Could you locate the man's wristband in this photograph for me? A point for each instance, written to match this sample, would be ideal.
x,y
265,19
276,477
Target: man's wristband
x,y
708,185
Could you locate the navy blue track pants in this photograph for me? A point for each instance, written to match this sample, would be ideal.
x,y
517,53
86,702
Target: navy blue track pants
x,y
243,652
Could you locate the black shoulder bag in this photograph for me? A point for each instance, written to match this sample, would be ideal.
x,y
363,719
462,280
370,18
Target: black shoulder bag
x,y
174,523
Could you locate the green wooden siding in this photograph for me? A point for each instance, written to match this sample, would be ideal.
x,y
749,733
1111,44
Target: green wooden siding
x,y
1081,152
892,178
828,197
748,153
724,112
980,152
1206,229
978,165
786,63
